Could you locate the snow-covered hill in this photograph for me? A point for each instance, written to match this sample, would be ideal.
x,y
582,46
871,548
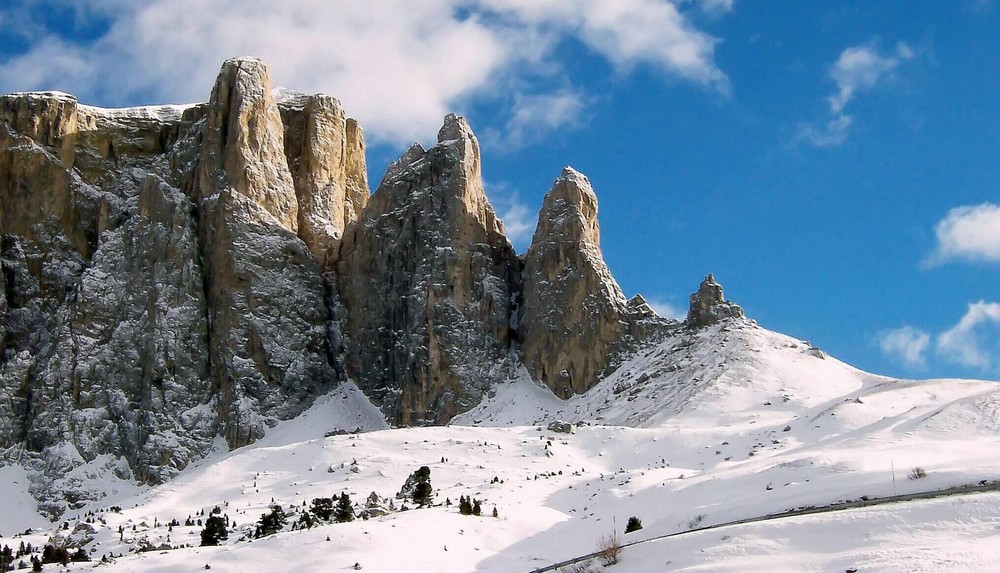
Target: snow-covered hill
x,y
705,427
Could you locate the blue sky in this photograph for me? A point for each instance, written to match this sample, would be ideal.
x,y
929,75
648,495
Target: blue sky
x,y
836,164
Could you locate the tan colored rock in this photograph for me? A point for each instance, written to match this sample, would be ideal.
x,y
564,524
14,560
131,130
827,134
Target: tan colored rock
x,y
326,156
574,310
427,280
48,118
242,147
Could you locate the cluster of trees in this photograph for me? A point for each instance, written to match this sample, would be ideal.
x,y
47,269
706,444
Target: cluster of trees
x,y
50,554
469,506
326,509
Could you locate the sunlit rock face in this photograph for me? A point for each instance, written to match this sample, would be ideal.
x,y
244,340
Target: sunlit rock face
x,y
574,310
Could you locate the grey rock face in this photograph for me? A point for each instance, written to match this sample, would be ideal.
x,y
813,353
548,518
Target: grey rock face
x,y
709,306
428,281
574,311
154,293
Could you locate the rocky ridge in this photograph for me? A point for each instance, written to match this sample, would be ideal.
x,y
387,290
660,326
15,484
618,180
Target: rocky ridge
x,y
174,274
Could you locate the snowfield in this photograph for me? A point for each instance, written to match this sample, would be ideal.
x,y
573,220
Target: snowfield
x,y
724,424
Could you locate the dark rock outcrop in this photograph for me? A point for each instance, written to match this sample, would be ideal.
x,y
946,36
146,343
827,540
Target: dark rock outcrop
x,y
709,306
428,282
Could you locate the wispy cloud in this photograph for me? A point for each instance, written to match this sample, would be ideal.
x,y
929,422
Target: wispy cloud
x,y
397,66
969,233
975,341
906,345
858,69
667,309
518,220
535,117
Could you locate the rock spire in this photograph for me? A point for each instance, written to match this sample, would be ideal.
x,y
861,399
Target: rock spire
x,y
574,310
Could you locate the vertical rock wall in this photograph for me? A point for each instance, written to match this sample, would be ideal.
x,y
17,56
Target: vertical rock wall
x,y
428,280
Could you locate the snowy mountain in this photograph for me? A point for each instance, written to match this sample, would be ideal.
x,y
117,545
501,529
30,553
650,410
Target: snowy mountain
x,y
211,331
768,424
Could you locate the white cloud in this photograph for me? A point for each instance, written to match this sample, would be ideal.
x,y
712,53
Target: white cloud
x,y
907,345
399,66
975,341
534,117
968,233
857,69
518,221
860,68
832,134
667,310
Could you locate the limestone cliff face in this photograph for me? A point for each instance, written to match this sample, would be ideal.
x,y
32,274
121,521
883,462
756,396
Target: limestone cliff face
x,y
268,347
574,310
326,155
242,147
428,281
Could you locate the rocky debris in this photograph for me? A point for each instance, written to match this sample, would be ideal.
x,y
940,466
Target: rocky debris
x,y
428,283
560,427
574,311
709,306
267,310
326,155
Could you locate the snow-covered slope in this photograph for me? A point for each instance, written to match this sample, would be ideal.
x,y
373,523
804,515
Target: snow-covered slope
x,y
725,423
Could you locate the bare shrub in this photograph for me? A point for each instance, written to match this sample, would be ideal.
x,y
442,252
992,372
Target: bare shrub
x,y
609,551
917,473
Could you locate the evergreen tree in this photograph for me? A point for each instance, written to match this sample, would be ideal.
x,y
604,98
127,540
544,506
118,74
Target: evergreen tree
x,y
464,506
215,531
634,524
6,558
322,508
345,509
271,523
477,509
418,487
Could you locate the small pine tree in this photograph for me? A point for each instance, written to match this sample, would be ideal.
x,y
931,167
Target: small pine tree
x,y
495,513
271,523
214,532
477,509
345,509
464,506
634,524
322,508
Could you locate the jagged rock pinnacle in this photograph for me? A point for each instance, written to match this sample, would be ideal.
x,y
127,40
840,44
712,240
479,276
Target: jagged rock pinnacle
x,y
573,308
242,149
708,305
427,280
